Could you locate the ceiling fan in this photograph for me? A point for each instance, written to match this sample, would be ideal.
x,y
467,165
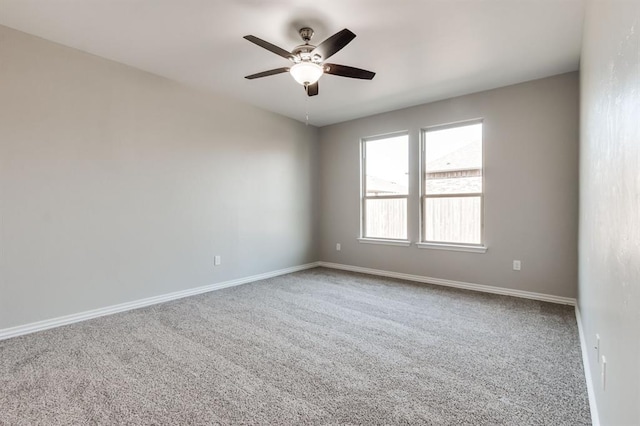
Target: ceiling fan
x,y
309,60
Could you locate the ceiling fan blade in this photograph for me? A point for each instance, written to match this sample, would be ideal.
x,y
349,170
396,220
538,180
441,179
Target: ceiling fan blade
x,y
351,72
312,89
270,47
268,73
334,43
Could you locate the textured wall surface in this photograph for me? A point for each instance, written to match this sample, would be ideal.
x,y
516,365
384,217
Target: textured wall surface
x,y
531,188
609,271
116,185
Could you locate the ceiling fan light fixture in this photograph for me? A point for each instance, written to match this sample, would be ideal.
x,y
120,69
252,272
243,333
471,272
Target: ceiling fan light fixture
x,y
306,73
309,60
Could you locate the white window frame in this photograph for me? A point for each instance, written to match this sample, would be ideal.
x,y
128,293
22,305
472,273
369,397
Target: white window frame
x,y
448,245
364,197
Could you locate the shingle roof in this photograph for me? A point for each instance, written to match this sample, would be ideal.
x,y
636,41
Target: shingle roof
x,y
383,186
466,158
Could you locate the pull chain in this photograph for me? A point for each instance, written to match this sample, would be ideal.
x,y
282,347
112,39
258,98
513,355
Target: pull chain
x,y
306,107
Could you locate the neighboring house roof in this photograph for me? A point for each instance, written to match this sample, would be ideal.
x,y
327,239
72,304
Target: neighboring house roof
x,y
465,158
383,186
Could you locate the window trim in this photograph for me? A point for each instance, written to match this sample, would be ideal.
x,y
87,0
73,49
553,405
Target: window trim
x,y
363,191
384,241
453,247
449,245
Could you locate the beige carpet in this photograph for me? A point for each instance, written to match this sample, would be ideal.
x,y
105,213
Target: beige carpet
x,y
314,347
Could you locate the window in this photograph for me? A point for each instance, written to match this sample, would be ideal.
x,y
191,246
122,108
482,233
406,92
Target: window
x,y
452,187
385,181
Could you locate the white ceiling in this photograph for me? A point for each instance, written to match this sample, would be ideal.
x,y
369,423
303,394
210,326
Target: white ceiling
x,y
421,50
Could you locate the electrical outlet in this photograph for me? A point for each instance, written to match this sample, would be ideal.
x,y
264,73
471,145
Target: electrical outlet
x,y
597,348
217,260
517,265
338,247
603,373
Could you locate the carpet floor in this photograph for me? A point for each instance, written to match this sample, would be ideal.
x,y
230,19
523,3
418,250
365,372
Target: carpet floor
x,y
314,347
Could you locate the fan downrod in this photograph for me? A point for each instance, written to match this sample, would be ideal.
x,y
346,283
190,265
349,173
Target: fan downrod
x,y
306,33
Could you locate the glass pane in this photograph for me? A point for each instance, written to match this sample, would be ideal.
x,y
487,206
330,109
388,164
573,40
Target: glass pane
x,y
453,160
386,218
453,219
387,166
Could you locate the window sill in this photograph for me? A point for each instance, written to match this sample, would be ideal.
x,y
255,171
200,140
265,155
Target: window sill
x,y
403,243
452,247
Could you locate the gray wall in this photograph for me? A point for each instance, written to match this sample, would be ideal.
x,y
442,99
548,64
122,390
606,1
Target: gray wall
x,y
531,189
609,291
116,185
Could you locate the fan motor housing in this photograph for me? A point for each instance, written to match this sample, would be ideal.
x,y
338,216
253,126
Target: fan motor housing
x,y
303,53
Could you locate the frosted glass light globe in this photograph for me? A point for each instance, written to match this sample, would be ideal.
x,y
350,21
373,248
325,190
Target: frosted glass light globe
x,y
306,72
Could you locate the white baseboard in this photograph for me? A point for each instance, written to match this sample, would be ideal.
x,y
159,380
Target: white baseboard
x,y
456,284
69,319
595,418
